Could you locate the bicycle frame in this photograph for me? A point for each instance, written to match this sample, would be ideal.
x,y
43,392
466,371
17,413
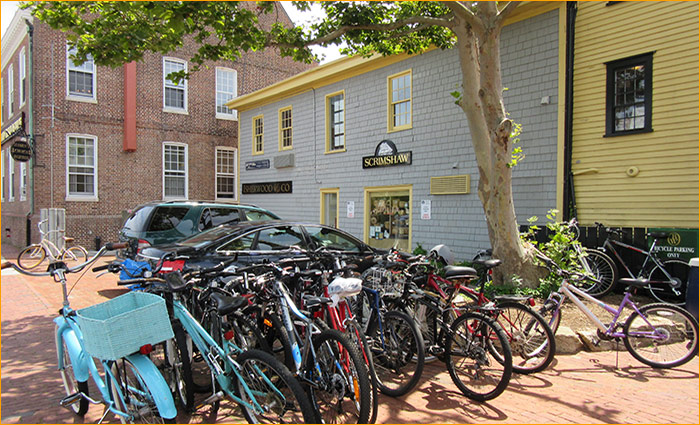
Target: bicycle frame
x,y
609,244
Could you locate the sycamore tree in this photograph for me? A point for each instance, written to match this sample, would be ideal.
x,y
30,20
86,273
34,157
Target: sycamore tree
x,y
114,33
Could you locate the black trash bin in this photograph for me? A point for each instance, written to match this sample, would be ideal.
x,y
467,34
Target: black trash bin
x,y
691,295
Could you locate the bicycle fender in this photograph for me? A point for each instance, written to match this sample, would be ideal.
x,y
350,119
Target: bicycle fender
x,y
156,384
78,357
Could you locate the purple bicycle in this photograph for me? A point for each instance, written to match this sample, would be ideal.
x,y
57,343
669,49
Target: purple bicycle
x,y
660,335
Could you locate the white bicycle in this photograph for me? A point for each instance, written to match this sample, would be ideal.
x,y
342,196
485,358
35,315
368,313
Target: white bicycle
x,y
35,254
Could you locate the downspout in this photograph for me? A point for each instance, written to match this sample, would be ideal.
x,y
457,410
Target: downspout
x,y
30,126
569,197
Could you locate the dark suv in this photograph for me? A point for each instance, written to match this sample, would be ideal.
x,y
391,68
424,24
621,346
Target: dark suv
x,y
157,223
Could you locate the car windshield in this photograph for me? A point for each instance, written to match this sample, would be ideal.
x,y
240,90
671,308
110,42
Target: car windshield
x,y
205,237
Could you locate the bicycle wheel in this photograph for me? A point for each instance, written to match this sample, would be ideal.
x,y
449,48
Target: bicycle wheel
x,y
74,255
602,268
244,333
280,397
469,357
426,317
551,313
671,290
172,357
354,332
343,392
132,396
662,336
277,339
398,354
31,256
531,339
70,384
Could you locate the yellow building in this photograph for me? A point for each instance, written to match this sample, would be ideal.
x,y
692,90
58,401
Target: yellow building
x,y
633,138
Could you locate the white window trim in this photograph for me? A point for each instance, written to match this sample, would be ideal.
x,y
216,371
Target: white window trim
x,y
390,102
10,89
82,198
170,109
11,186
235,173
22,76
22,181
187,171
74,97
234,115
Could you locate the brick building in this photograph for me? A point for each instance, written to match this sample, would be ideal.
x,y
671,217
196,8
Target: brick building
x,y
105,140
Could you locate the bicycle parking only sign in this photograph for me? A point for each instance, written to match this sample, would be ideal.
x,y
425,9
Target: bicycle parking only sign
x,y
680,243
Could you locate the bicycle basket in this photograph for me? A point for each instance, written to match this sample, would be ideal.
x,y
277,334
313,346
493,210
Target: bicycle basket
x,y
120,326
384,281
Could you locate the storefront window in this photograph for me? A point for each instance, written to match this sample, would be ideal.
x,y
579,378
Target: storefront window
x,y
389,221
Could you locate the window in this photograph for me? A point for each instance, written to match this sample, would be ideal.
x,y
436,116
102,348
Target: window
x,y
329,207
81,78
279,238
285,128
174,93
335,122
400,109
332,239
22,181
81,158
166,218
628,104
10,91
388,217
225,173
22,77
174,171
226,89
212,217
258,135
11,183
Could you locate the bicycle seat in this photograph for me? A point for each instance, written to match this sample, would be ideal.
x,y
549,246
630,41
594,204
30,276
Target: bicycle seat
x,y
68,239
457,272
489,264
658,235
226,304
311,301
637,283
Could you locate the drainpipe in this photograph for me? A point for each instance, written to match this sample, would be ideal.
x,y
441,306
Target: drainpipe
x,y
569,197
30,126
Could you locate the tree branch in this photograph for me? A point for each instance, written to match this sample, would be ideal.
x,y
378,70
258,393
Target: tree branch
x,y
510,7
463,12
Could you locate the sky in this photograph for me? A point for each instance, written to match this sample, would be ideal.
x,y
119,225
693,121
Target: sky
x,y
9,8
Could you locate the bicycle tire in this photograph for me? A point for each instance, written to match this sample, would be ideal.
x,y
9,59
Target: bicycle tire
x,y
603,269
400,359
31,256
677,328
551,314
137,400
335,401
177,368
426,317
480,377
246,333
357,336
74,255
70,384
665,291
277,339
287,396
531,339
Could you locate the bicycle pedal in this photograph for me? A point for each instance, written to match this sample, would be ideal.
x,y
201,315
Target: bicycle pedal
x,y
211,399
70,400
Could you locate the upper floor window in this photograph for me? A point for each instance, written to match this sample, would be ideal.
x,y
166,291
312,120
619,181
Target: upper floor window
x,y
22,77
335,122
226,89
628,103
10,91
174,93
400,94
225,173
258,135
81,167
174,171
285,128
81,78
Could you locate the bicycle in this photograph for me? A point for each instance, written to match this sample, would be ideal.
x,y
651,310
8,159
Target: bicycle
x,y
667,279
35,254
595,263
660,335
260,384
115,333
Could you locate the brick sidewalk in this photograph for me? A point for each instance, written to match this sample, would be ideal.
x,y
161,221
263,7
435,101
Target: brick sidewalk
x,y
583,388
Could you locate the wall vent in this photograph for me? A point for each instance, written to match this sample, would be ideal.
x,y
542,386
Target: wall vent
x,y
449,185
284,161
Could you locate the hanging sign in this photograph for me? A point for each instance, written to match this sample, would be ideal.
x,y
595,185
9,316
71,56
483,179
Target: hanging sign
x,y
21,151
386,155
14,128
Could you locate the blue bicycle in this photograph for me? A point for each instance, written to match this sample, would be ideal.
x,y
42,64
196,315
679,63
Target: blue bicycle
x,y
114,333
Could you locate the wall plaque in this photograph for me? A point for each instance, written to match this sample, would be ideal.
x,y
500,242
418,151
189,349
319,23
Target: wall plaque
x,y
270,187
386,155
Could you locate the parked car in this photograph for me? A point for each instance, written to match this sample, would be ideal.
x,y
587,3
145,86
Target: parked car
x,y
253,242
157,223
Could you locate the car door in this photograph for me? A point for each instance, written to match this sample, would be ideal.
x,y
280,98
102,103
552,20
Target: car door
x,y
269,243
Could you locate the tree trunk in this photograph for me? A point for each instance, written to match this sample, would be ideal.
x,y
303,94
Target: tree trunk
x,y
490,130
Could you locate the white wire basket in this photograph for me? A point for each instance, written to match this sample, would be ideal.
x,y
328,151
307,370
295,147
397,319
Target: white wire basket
x,y
386,282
